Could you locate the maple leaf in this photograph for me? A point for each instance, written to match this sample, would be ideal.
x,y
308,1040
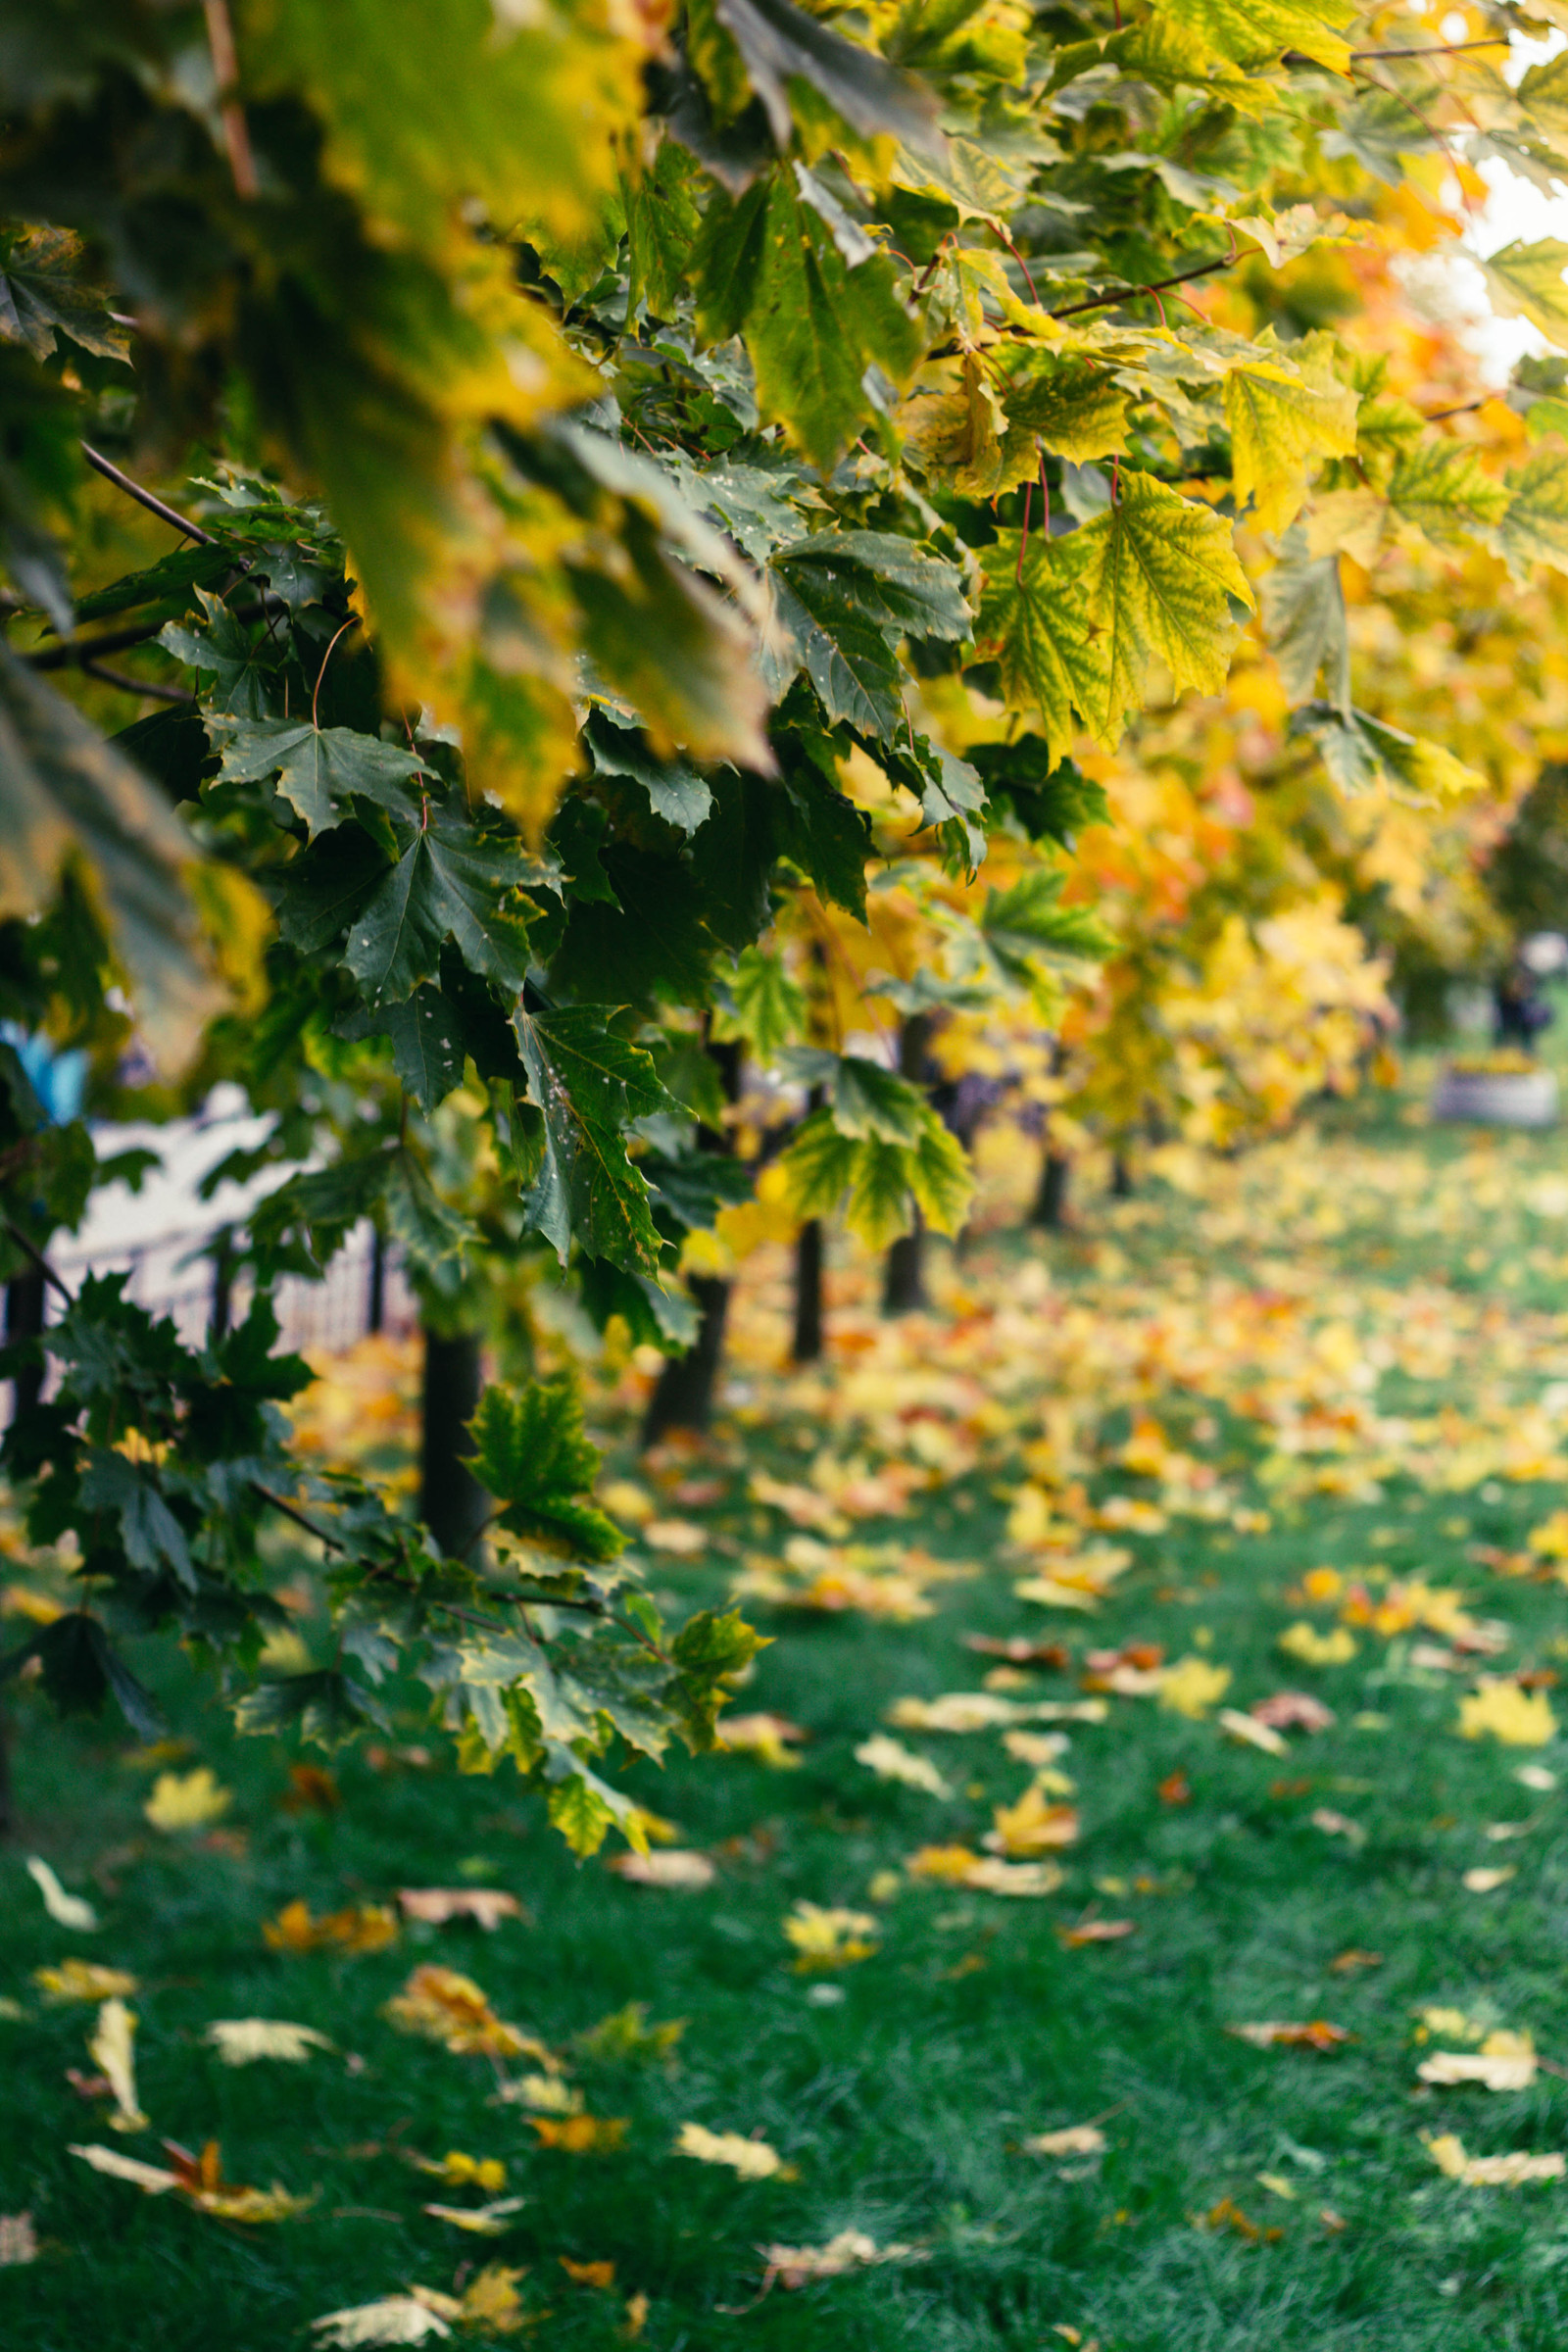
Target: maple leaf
x,y
65,1910
487,1905
1236,33
440,2005
830,1936
1515,1717
891,1760
186,1800
393,2320
242,2041
748,2159
84,1981
1526,281
111,2051
581,2135
1282,424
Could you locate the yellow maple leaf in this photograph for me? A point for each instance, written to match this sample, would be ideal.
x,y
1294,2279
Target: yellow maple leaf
x,y
1517,1718
748,2159
1192,1686
829,1936
186,1800
84,1981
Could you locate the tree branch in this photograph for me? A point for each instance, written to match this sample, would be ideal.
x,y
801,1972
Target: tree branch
x,y
129,685
30,1249
145,498
1163,285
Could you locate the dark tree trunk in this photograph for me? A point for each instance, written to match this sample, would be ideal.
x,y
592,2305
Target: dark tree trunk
x,y
25,1304
1051,1200
375,1299
222,1309
904,1274
807,1345
1121,1179
452,1502
683,1395
904,1290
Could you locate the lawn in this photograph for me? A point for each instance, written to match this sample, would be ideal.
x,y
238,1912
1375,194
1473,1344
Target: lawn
x,y
1323,1386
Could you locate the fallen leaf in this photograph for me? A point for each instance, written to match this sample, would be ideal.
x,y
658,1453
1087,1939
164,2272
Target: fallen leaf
x,y
683,1539
582,2134
458,2171
491,2301
1031,1827
1447,2153
1314,2035
242,2041
200,2179
1516,1717
310,1789
1292,1711
1305,1643
1486,1881
154,2180
1018,1649
626,2035
186,1800
1038,1750
1074,2139
748,2159
1538,1777
1175,1788
65,1910
801,2266
763,1737
1191,1687
394,2319
1505,2062
479,2221
674,1869
111,2050
357,1929
1278,2187
84,1981
442,2006
636,2319
1096,1931
18,2241
1337,1825
829,1936
1344,1962
989,1876
436,1905
588,2274
891,1760
1248,1731
1228,2215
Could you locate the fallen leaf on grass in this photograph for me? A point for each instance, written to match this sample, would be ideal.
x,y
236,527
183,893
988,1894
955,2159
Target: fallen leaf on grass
x,y
1292,1711
541,2095
1314,2035
956,1711
626,2035
674,1869
1074,2139
1096,1931
636,2319
18,2241
186,1800
84,1981
829,1936
748,2159
588,2274
1031,1827
457,2171
1228,2215
1538,1777
961,1866
1175,1789
1515,1717
1344,1963
1248,1731
65,1910
311,1788
1337,1825
1447,2153
582,2134
1503,2062
1018,1649
436,1905
479,2221
198,2180
682,1538
762,1737
1038,1750
358,1927
394,2319
1191,1687
111,2051
1501,1833
1305,1643
439,2006
1486,1881
242,2041
891,1760
1278,2187
850,2250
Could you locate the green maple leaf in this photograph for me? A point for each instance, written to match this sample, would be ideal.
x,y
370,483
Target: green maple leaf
x,y
318,769
226,653
1542,93
532,1455
1026,926
769,1008
1535,527
1304,620
1526,281
1439,486
709,1649
454,883
662,226
1035,621
1159,572
1258,33
1076,409
588,1083
42,296
1281,426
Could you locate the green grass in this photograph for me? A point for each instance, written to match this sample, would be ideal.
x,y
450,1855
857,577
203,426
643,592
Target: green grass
x,y
900,2107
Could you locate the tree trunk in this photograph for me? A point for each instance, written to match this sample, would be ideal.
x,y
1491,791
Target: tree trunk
x,y
807,1345
683,1395
1051,1200
452,1502
1121,1179
24,1306
904,1290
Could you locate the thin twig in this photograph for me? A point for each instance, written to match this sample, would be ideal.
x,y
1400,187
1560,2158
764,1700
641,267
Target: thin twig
x,y
1033,290
144,498
30,1250
129,685
321,673
1102,302
225,69
289,1511
1467,409
1436,48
